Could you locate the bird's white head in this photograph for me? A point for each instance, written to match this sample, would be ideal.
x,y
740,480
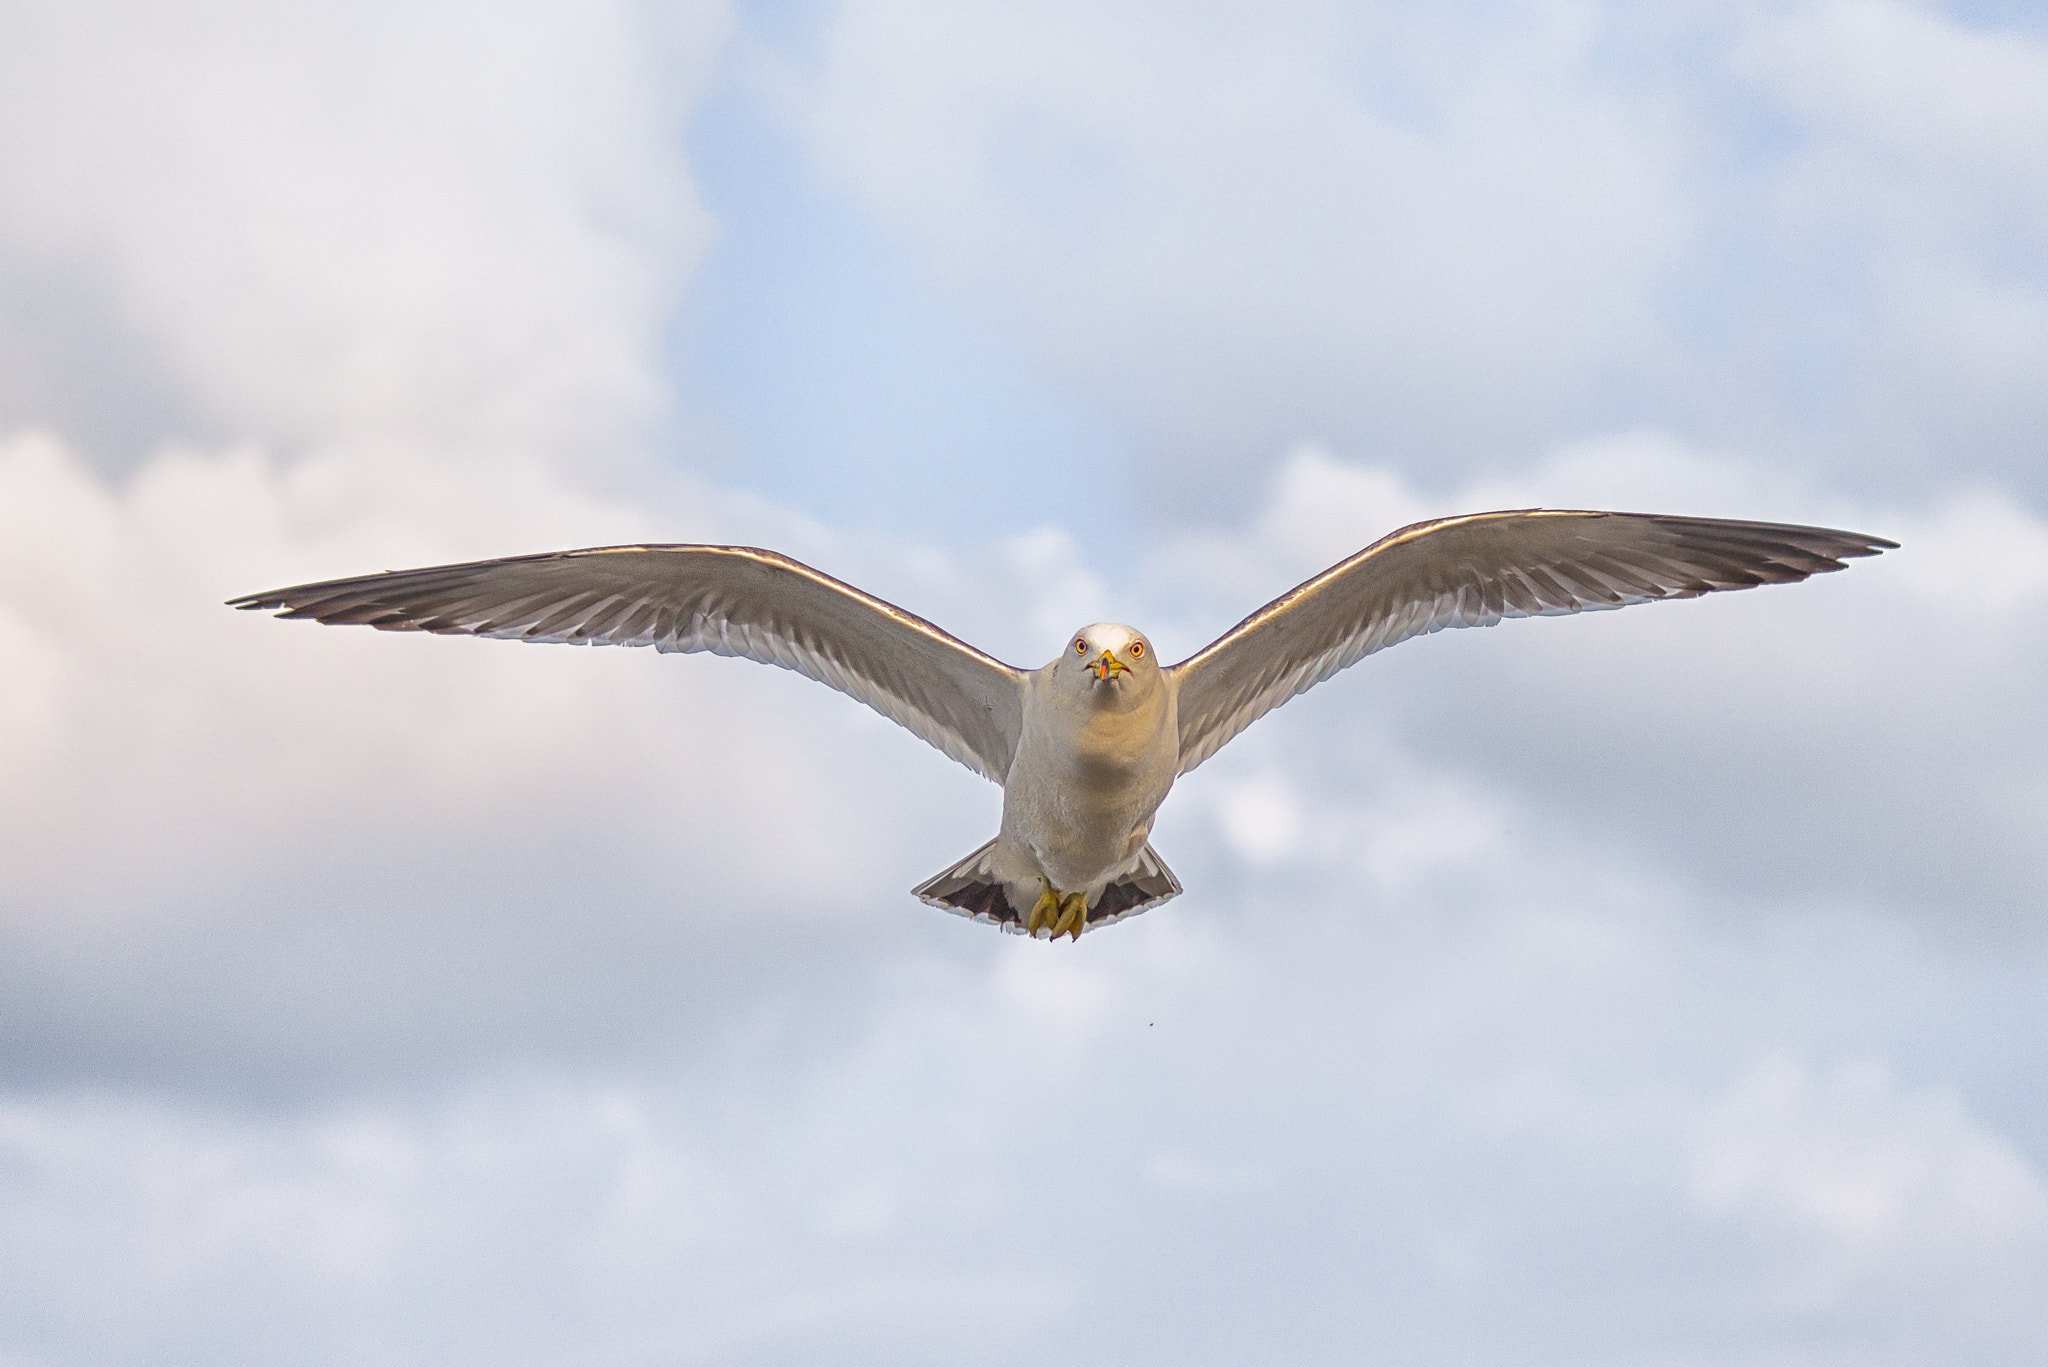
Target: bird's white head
x,y
1109,656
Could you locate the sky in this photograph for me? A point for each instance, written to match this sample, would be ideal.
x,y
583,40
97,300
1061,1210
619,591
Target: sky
x,y
1649,989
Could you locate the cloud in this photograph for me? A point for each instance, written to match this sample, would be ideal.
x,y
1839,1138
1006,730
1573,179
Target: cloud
x,y
381,219
1915,156
1911,77
1869,1184
152,1232
1660,982
1452,237
1229,233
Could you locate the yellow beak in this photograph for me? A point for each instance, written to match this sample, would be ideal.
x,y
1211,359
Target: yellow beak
x,y
1108,665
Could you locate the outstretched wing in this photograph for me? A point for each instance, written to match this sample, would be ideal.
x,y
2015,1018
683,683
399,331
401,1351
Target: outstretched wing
x,y
1471,572
729,600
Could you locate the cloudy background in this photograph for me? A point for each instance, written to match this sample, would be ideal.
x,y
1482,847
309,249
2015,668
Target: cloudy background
x,y
1662,987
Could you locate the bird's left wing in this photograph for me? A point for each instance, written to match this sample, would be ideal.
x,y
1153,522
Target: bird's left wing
x,y
1472,571
729,600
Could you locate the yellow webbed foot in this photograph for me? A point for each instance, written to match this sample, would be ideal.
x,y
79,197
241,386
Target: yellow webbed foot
x,y
1073,915
1043,912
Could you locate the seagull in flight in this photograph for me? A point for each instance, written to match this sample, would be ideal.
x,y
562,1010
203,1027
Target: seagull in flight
x,y
1087,746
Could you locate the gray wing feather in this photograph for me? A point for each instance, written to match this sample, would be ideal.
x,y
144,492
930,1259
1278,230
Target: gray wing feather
x,y
1471,572
728,600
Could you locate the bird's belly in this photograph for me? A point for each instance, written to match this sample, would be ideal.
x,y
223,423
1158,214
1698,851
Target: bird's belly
x,y
1086,822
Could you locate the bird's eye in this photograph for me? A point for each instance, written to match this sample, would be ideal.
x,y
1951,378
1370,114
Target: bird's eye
x,y
1137,650
1080,647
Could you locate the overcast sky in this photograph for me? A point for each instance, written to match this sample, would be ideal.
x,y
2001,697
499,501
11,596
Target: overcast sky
x,y
1654,988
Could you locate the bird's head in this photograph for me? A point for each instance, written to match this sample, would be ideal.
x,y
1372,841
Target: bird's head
x,y
1110,656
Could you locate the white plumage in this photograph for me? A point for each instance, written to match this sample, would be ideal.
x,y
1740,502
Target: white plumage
x,y
1086,747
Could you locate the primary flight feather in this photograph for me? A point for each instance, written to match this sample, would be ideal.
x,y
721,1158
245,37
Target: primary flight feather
x,y
1086,747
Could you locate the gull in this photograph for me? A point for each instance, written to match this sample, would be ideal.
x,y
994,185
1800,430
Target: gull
x,y
1087,746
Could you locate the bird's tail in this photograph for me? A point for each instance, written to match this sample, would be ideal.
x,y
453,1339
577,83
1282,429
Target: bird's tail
x,y
1143,888
972,888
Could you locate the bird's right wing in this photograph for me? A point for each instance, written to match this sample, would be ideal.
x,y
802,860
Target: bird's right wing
x,y
1473,571
728,600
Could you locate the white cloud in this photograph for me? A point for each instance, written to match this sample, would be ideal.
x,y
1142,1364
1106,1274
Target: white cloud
x,y
371,219
32,692
1261,819
1451,236
1911,76
1865,1181
1229,231
1180,1173
1908,206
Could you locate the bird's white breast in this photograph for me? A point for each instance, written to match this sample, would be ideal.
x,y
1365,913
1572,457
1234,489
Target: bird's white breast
x,y
1088,777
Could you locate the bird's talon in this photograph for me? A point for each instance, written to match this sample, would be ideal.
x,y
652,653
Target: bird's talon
x,y
1073,916
1043,912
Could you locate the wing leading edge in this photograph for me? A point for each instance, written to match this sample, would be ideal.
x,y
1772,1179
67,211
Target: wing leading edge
x,y
728,600
1473,571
